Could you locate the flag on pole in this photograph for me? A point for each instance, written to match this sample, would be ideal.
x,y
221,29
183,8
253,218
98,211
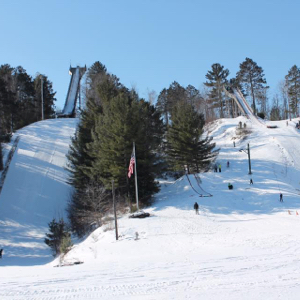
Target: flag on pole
x,y
131,164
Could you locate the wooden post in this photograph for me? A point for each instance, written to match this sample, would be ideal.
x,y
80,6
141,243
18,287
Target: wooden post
x,y
115,210
135,179
249,160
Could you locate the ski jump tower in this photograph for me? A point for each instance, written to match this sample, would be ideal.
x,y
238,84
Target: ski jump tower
x,y
73,92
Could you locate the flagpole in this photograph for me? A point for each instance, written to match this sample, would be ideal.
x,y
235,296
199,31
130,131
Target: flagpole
x,y
135,179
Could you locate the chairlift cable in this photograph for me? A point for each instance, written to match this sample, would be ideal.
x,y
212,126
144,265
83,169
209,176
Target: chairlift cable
x,y
200,195
198,180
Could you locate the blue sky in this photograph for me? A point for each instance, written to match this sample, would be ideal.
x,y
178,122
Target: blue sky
x,y
149,43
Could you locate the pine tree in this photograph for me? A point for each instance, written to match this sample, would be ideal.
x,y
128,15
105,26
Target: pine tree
x,y
20,98
23,112
48,98
293,88
114,117
123,121
102,87
251,77
186,149
217,79
193,96
8,100
58,231
168,98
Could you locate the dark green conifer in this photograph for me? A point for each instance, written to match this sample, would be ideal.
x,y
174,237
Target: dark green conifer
x,y
57,232
186,146
251,77
217,79
293,88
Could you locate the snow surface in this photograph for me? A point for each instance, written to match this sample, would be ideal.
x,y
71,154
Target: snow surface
x,y
35,190
244,244
72,93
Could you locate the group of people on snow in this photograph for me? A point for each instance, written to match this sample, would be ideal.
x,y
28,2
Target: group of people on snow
x,y
217,167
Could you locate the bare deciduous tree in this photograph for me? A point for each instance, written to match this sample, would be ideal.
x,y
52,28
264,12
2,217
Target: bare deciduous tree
x,y
88,207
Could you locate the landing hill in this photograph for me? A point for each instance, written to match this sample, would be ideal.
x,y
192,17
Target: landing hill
x,y
244,244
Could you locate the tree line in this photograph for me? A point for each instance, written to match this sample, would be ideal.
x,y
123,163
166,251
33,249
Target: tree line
x,y
114,118
20,100
213,101
169,135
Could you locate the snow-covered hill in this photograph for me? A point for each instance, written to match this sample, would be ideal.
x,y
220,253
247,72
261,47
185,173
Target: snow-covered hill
x,y
244,244
35,191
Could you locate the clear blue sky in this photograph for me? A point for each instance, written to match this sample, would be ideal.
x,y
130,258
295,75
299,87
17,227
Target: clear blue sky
x,y
149,43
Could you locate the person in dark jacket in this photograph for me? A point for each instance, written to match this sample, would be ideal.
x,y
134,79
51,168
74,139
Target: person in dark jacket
x,y
196,208
280,198
251,181
1,250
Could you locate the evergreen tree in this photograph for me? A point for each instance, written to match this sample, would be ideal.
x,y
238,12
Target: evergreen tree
x,y
20,98
102,87
193,96
168,98
293,88
123,121
186,147
8,101
58,231
251,77
48,98
114,117
217,79
24,89
163,106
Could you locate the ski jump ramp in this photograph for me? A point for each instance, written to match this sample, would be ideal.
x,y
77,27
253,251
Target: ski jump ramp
x,y
73,91
243,105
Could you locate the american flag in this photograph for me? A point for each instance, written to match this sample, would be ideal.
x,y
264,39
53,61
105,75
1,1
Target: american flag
x,y
131,164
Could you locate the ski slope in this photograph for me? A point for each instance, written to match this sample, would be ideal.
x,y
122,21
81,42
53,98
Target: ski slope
x,y
35,190
244,244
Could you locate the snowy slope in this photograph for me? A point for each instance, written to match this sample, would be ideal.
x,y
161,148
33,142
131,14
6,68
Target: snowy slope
x,y
243,245
35,190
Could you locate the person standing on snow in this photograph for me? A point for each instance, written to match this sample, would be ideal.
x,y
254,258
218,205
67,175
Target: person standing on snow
x,y
280,198
196,208
251,181
228,164
216,168
220,168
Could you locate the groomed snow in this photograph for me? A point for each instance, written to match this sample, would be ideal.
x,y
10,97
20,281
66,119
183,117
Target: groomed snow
x,y
35,191
244,244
